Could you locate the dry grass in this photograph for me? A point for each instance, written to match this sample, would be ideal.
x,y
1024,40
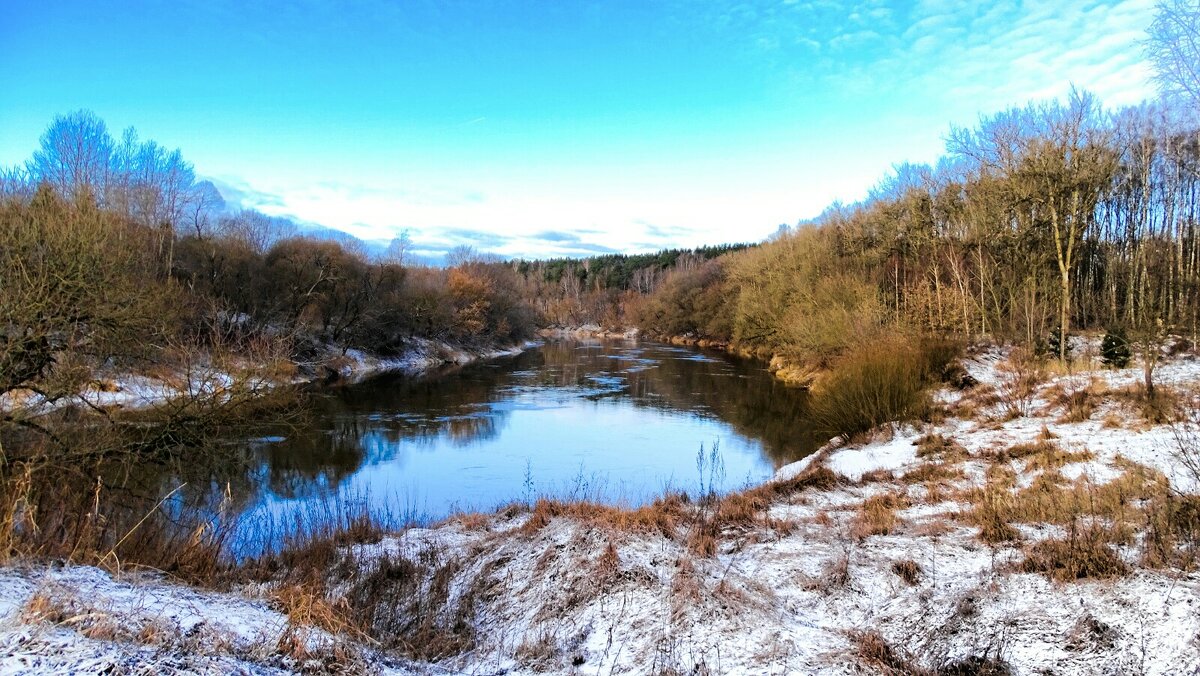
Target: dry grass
x,y
880,657
52,512
663,516
700,525
1085,553
933,473
1138,507
939,447
908,570
608,564
1077,402
835,574
43,607
1044,443
473,521
307,606
539,652
933,528
1162,407
411,606
1051,499
992,511
877,476
877,515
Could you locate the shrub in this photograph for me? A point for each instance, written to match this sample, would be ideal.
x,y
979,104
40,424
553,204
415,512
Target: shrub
x,y
1114,349
1055,342
878,382
1084,554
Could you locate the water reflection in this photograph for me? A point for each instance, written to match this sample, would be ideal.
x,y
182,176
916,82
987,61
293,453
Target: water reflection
x,y
616,420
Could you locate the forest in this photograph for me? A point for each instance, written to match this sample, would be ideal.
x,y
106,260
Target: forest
x,y
1040,221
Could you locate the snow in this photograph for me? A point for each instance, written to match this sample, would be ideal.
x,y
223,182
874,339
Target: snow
x,y
895,454
132,391
771,601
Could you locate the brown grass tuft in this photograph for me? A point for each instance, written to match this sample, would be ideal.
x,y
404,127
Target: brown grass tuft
x,y
934,472
1085,553
1077,402
908,570
992,512
939,447
880,657
42,607
877,476
1161,407
307,606
877,515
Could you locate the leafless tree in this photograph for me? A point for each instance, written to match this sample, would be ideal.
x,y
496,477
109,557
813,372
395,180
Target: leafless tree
x,y
203,206
75,155
1173,44
397,250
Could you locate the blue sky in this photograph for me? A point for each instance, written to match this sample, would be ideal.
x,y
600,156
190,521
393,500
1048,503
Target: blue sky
x,y
545,128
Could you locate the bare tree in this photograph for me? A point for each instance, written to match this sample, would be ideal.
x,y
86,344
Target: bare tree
x,y
1173,44
257,229
397,250
75,155
1063,176
203,204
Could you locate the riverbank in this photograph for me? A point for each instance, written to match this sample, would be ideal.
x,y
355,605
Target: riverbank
x,y
204,376
589,331
1043,520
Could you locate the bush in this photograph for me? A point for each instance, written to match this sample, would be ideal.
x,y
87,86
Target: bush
x,y
1054,343
1082,555
880,381
1114,349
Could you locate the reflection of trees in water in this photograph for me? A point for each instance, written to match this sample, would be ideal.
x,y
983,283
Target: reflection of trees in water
x,y
379,421
739,392
313,458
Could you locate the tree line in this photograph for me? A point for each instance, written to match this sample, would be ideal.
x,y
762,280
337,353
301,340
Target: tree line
x,y
1038,221
604,289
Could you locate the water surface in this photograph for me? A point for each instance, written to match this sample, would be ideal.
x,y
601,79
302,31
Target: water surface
x,y
614,421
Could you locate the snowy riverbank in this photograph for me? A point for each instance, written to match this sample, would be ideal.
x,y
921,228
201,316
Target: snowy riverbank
x,y
113,389
863,558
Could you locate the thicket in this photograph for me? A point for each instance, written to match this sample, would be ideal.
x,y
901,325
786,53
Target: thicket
x,y
607,289
1039,222
114,259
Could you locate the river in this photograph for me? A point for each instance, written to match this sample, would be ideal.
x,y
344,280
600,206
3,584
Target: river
x,y
618,422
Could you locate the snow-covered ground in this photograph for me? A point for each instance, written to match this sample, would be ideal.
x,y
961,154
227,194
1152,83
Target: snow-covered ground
x,y
131,391
798,588
586,331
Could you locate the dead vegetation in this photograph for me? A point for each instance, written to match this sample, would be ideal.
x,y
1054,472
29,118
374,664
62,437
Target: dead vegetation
x,y
675,516
1085,553
875,653
1160,406
940,448
908,570
877,515
1076,401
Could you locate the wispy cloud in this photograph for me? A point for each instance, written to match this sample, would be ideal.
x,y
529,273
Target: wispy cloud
x,y
992,54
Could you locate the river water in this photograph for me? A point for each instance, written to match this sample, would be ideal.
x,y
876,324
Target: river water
x,y
613,421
